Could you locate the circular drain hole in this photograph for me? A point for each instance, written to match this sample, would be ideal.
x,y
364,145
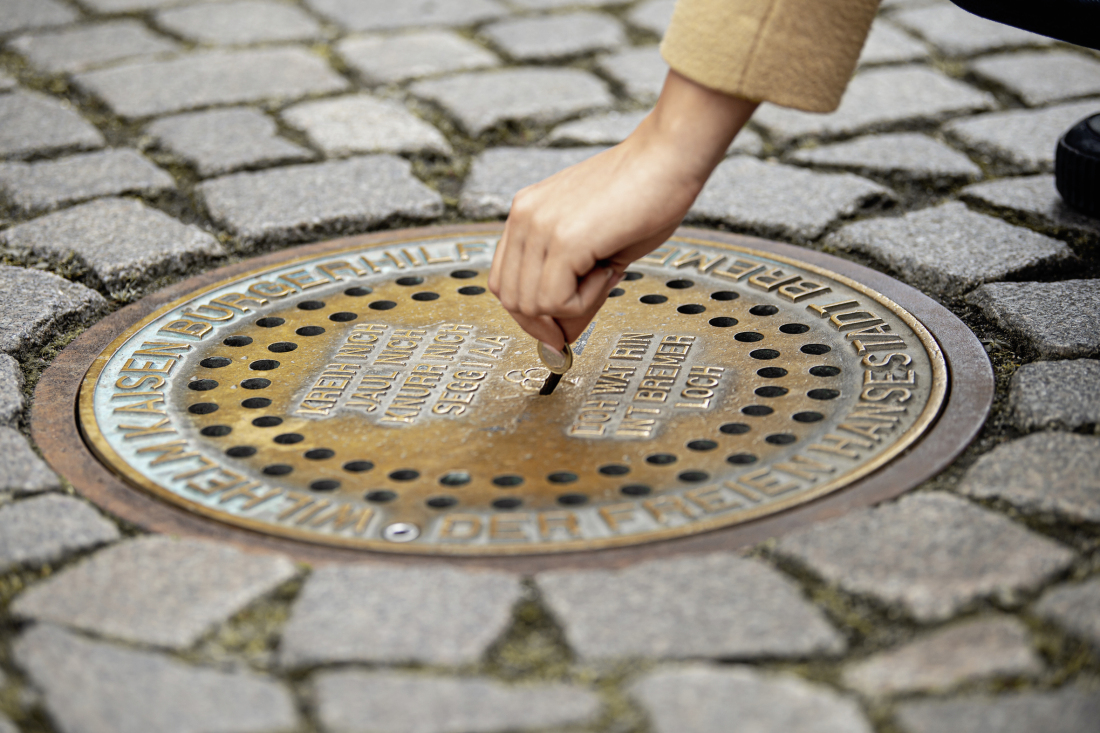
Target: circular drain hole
x,y
202,385
409,280
441,502
240,451
741,459
358,291
381,496
216,431
263,365
614,469
722,322
680,284
824,371
702,445
562,477
724,295
757,410
508,481
764,354
763,310
691,309
278,469
631,275
572,499
202,408
693,477
343,317
661,459
734,428
310,331
319,454
823,394
794,328
382,305
615,292
636,490
282,347
256,383
267,421
464,274
771,372
270,322
311,305
815,349
405,474
508,502
425,297
781,439
401,532
215,362
455,478
653,299
749,337
237,341
471,290
358,466
808,417
289,438
325,485
770,391
256,403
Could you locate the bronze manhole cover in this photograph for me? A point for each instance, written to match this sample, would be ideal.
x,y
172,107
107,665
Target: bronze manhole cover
x,y
373,394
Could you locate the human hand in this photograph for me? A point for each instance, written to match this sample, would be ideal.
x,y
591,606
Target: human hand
x,y
569,238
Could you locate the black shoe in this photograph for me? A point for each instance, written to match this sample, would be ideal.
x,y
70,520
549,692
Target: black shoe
x,y
1077,166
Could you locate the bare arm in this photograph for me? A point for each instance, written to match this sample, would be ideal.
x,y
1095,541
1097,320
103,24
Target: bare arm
x,y
569,238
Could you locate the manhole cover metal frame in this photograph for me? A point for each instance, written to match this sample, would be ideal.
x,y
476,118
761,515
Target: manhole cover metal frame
x,y
970,396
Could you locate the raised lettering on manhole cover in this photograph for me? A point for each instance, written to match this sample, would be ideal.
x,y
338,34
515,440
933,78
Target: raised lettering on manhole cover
x,y
380,398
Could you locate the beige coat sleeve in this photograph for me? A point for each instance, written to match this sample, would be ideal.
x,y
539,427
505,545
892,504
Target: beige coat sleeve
x,y
795,53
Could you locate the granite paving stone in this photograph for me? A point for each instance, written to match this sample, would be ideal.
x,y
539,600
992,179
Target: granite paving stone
x,y
34,123
123,241
1034,200
556,4
608,128
87,46
949,250
420,614
7,83
53,183
388,59
772,199
93,687
1042,78
974,650
931,553
240,23
1076,608
364,124
6,726
498,174
1058,320
338,197
1069,710
1023,139
46,528
1055,394
704,699
714,606
641,71
224,140
155,590
11,390
886,44
37,305
555,37
878,99
902,156
211,78
482,100
955,32
22,471
22,15
1051,472
652,15
377,15
128,6
402,702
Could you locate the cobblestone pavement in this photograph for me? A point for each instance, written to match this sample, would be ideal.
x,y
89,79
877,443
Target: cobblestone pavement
x,y
145,140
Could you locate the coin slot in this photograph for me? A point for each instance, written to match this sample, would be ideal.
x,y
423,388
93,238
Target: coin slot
x,y
757,410
289,438
358,466
240,451
464,274
282,347
358,291
471,290
764,354
741,459
216,431
202,385
661,459
382,305
722,322
278,469
425,296
256,383
267,421
771,372
256,403
824,371
310,331
343,317
636,490
380,496
614,469
325,485
319,454
735,428
562,477
693,477
237,341
405,474
508,481
763,310
702,445
455,478
808,417
270,322
781,439
680,284
823,394
749,337
409,280
215,362
653,299
202,408
441,502
770,391
263,365
794,328
815,349
572,499
508,502
691,309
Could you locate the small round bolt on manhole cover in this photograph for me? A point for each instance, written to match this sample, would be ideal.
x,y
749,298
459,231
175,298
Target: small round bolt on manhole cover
x,y
371,394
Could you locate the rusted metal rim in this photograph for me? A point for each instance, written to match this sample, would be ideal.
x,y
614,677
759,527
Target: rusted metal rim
x,y
56,430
